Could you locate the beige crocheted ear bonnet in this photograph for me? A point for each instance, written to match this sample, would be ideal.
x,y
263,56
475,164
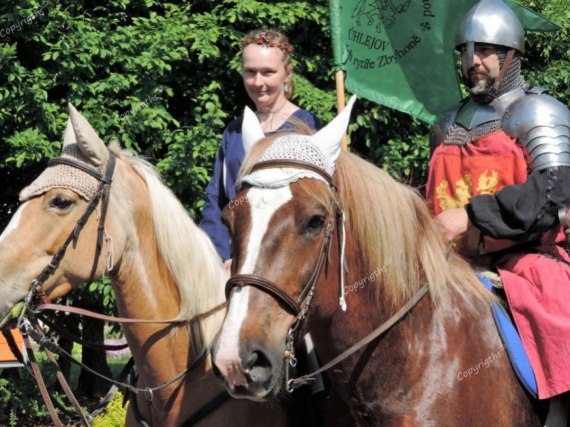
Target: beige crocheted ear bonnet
x,y
290,147
64,176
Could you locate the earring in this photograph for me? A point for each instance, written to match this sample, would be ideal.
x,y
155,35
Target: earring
x,y
285,87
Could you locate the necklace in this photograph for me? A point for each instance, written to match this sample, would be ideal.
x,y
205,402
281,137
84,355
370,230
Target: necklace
x,y
275,111
267,125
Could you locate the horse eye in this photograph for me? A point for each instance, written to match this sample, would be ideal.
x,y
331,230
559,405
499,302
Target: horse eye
x,y
315,224
60,202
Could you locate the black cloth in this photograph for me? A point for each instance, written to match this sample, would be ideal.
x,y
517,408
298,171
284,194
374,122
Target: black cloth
x,y
523,212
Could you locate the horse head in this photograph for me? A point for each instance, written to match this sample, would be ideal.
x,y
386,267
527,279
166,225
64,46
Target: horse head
x,y
48,217
283,225
74,225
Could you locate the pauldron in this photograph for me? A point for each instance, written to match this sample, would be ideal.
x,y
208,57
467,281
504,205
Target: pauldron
x,y
470,115
541,125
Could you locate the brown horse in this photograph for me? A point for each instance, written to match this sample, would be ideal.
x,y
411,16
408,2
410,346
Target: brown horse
x,y
161,264
441,364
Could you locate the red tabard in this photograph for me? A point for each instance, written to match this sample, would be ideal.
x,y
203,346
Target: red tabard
x,y
484,166
537,286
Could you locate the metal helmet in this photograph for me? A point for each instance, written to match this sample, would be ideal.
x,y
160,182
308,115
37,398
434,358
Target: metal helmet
x,y
492,22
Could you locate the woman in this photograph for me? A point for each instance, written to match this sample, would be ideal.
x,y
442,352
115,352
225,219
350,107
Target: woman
x,y
266,71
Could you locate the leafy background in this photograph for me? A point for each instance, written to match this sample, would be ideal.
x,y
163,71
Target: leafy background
x,y
163,79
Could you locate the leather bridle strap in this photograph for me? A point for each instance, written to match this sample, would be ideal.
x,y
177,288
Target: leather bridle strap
x,y
101,193
241,280
105,318
300,381
41,383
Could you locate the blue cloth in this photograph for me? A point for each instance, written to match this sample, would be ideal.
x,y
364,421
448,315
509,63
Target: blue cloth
x,y
513,344
219,193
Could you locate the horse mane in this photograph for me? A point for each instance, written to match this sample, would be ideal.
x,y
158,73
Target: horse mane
x,y
402,245
396,236
187,251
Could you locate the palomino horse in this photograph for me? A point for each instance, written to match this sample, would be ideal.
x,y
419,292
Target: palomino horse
x,y
161,264
299,266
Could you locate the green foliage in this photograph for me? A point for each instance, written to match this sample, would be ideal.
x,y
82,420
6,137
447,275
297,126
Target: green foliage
x,y
20,401
161,78
114,415
546,60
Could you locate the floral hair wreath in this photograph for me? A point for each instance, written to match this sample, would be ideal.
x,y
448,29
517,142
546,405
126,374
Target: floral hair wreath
x,y
261,39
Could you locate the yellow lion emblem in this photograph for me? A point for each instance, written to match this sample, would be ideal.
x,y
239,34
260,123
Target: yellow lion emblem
x,y
486,184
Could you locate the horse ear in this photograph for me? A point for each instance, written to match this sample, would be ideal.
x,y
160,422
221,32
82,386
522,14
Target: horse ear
x,y
69,136
329,138
251,131
91,146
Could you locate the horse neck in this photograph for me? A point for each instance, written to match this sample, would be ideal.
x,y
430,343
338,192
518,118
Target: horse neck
x,y
145,288
426,335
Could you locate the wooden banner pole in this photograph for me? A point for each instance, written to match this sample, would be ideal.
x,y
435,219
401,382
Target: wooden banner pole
x,y
340,102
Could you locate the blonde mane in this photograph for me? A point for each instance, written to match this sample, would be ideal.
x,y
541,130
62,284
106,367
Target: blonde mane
x,y
398,237
187,251
395,234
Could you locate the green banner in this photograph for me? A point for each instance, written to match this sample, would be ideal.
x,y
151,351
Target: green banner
x,y
399,53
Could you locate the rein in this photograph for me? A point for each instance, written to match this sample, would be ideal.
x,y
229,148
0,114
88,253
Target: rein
x,y
295,383
50,347
300,306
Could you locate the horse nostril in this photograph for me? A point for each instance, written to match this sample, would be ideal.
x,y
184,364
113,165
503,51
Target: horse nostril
x,y
257,359
259,367
250,362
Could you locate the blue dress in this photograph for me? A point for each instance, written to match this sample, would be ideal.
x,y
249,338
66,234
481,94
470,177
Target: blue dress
x,y
221,188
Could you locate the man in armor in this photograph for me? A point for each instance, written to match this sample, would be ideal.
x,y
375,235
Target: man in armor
x,y
500,171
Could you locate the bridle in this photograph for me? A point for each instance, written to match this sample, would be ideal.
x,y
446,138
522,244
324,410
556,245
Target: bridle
x,y
36,302
296,306
299,306
36,295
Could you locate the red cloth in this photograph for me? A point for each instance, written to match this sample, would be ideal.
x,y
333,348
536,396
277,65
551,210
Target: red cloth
x,y
484,166
538,292
537,287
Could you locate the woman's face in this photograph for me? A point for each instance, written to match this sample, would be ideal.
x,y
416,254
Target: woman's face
x,y
264,74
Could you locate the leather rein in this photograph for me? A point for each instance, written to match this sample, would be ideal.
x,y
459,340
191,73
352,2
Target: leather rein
x,y
299,306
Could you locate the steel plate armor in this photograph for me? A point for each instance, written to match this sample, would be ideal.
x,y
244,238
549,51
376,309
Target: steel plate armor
x,y
541,125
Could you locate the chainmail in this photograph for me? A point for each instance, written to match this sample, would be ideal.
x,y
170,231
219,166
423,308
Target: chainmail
x,y
512,79
63,176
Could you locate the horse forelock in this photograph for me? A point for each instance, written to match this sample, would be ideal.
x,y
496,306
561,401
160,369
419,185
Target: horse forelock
x,y
187,252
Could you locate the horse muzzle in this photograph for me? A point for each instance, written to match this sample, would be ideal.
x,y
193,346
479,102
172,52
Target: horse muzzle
x,y
251,376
